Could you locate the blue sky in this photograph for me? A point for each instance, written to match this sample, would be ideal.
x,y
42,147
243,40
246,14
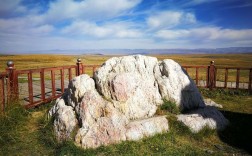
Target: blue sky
x,y
33,25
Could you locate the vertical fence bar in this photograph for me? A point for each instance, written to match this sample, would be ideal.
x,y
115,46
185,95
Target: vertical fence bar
x,y
53,82
197,75
207,75
250,81
226,78
79,67
30,88
76,71
62,80
12,82
93,71
69,74
83,69
237,78
8,90
42,84
16,86
211,75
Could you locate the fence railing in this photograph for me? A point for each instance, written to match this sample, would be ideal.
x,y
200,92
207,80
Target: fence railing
x,y
37,86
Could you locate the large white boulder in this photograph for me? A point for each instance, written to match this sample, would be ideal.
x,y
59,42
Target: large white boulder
x,y
99,121
142,80
121,101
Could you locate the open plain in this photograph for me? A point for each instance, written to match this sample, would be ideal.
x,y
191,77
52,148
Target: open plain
x,y
29,132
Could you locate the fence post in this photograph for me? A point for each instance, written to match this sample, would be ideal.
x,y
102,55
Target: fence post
x,y
13,82
250,81
211,75
79,67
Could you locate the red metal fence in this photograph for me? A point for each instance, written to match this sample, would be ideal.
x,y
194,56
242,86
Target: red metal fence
x,y
213,73
46,84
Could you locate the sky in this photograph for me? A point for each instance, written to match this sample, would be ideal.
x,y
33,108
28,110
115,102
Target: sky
x,y
40,25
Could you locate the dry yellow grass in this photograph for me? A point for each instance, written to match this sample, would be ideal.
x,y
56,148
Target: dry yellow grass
x,y
227,60
39,61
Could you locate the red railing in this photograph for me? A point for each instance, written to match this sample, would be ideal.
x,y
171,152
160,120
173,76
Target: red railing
x,y
238,76
212,81
42,88
41,85
197,68
41,74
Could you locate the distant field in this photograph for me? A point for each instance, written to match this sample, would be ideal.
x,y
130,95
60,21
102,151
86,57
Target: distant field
x,y
40,61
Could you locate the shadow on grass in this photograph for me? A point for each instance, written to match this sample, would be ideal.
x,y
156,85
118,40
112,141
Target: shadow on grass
x,y
239,133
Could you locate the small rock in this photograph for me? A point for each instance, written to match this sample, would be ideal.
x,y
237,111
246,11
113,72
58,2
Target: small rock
x,y
199,118
210,102
208,151
219,147
148,127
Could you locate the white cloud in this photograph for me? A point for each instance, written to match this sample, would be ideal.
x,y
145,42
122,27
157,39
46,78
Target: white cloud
x,y
12,8
88,9
42,30
86,28
25,25
198,2
172,34
170,19
108,30
205,34
128,33
41,24
37,43
76,24
8,6
26,43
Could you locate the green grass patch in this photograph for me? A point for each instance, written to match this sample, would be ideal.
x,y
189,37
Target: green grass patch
x,y
170,107
26,132
30,132
239,101
11,124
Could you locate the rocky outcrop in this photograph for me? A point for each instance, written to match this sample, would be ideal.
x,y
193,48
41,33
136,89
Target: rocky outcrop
x,y
121,101
141,80
100,121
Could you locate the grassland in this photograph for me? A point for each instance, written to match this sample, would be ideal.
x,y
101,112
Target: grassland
x,y
39,61
226,60
29,132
